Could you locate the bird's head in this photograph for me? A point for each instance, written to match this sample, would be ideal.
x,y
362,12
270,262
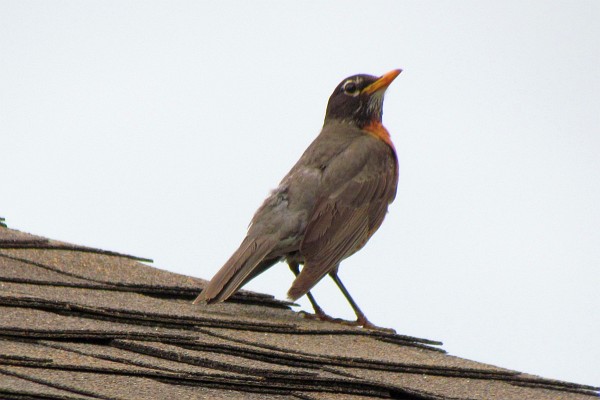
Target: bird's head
x,y
358,99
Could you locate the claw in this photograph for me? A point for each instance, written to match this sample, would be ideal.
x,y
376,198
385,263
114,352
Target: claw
x,y
369,325
362,322
321,316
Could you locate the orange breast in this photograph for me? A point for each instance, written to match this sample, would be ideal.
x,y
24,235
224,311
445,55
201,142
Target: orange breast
x,y
377,129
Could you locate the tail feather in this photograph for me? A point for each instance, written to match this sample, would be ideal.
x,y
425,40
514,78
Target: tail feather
x,y
308,277
236,270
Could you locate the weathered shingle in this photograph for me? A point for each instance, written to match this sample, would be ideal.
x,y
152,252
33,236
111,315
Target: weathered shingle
x,y
83,323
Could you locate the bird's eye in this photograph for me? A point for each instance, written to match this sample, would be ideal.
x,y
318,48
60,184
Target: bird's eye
x,y
350,88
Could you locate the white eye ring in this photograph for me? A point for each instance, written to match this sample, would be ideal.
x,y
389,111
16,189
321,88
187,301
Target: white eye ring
x,y
350,88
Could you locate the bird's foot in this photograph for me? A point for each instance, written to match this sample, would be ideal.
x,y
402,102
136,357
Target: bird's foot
x,y
365,323
321,316
362,322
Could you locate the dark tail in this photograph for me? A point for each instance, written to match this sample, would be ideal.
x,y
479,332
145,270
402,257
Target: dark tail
x,y
236,270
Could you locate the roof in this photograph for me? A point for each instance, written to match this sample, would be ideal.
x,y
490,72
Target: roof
x,y
84,323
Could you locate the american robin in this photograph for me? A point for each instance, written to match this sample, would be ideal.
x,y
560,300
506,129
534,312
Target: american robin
x,y
329,204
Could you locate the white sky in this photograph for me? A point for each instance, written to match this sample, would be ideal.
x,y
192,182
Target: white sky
x,y
157,128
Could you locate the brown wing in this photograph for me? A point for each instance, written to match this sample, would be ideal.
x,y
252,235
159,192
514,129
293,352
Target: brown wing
x,y
344,219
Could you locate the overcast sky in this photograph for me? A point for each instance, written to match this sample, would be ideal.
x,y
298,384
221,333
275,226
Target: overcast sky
x,y
157,128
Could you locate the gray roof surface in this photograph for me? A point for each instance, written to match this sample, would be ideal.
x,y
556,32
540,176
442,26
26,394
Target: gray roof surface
x,y
83,323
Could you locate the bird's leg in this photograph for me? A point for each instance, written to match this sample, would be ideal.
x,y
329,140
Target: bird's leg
x,y
361,318
319,313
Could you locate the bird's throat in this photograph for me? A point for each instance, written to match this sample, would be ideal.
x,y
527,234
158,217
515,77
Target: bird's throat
x,y
377,129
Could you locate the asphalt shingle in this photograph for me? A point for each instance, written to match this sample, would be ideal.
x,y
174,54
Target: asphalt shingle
x,y
83,323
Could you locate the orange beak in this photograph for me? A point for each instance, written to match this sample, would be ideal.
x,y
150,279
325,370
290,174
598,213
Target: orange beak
x,y
383,82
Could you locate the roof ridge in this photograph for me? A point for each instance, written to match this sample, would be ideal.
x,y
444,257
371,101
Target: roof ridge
x,y
15,239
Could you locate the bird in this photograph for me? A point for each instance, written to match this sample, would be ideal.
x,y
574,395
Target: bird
x,y
328,205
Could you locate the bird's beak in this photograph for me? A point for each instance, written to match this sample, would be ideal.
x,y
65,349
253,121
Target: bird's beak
x,y
383,82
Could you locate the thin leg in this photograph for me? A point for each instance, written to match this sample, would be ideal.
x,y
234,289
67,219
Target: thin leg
x,y
361,319
360,316
295,268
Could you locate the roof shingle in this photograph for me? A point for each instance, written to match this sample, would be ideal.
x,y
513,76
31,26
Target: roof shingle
x,y
83,323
